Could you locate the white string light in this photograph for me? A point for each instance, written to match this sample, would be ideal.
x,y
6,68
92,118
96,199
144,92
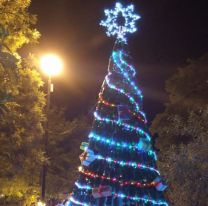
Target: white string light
x,y
114,28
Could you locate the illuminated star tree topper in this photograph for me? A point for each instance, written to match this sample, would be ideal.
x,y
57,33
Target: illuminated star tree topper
x,y
120,21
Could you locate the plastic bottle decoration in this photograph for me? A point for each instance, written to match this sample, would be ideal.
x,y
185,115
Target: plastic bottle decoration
x,y
123,113
102,191
161,185
120,202
144,145
84,145
87,157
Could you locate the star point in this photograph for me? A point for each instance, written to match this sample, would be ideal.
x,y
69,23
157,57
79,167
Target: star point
x,y
112,25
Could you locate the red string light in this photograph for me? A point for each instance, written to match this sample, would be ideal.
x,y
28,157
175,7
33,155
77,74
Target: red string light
x,y
101,100
115,180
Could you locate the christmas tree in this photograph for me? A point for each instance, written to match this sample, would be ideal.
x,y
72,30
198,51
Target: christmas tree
x,y
118,164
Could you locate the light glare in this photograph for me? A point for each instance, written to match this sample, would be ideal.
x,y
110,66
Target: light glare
x,y
51,64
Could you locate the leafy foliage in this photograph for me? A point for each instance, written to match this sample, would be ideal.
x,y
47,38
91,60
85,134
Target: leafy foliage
x,y
188,92
64,138
186,169
20,131
21,105
182,134
17,24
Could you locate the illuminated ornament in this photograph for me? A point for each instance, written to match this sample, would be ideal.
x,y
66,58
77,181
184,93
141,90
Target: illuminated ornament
x,y
144,144
120,21
84,146
102,191
87,157
161,185
123,113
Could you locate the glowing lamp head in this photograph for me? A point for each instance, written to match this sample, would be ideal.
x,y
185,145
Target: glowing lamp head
x,y
80,168
40,203
51,64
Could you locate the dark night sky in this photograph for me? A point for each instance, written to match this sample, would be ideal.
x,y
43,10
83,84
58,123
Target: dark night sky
x,y
169,32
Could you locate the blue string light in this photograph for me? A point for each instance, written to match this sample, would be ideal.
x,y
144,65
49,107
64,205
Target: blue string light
x,y
118,60
73,200
131,68
122,163
83,187
123,196
112,86
124,125
143,199
121,145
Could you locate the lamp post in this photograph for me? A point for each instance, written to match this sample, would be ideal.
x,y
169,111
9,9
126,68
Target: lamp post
x,y
51,66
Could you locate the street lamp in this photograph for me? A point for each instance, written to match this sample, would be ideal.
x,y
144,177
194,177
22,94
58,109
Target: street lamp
x,y
51,66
